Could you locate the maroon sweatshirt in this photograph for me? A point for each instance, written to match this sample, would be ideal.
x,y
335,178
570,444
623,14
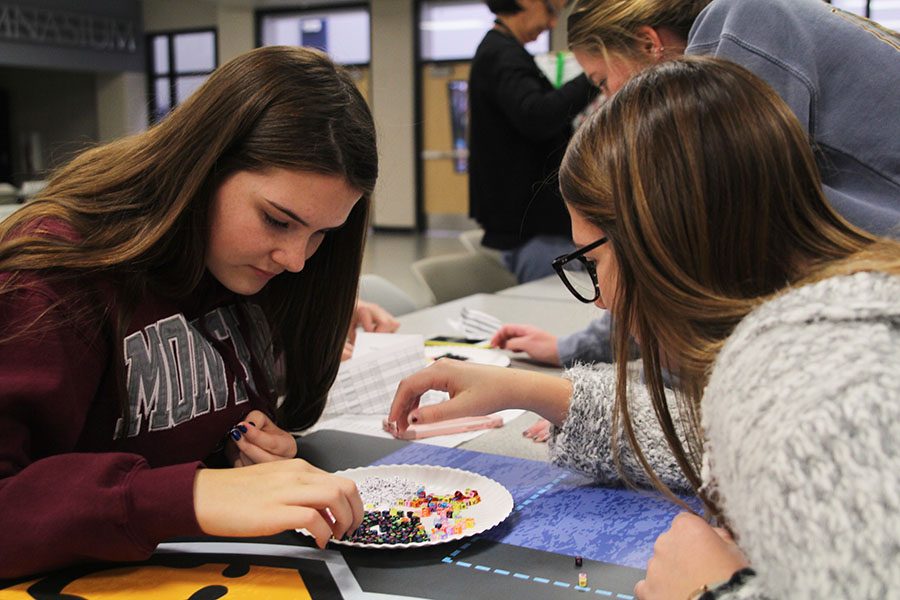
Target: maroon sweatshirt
x,y
71,489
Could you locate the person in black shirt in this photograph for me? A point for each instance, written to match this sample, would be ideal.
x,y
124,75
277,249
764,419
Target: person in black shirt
x,y
520,125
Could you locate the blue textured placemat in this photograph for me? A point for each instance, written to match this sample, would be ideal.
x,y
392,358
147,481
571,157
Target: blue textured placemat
x,y
557,510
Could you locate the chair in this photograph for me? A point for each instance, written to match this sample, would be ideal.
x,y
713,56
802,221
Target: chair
x,y
453,276
377,289
471,240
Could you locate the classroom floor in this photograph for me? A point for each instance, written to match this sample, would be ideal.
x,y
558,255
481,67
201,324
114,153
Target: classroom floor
x,y
390,255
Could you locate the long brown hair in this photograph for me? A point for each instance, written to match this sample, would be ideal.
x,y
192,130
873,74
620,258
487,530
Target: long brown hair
x,y
598,26
706,186
140,205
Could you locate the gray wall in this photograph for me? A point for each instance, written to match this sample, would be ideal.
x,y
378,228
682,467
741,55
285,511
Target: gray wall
x,y
59,106
393,70
74,75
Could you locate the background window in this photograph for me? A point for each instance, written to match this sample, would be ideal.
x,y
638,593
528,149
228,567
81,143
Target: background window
x,y
343,34
452,30
883,12
179,63
857,7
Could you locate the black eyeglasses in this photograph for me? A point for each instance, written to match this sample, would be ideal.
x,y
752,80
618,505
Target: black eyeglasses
x,y
579,273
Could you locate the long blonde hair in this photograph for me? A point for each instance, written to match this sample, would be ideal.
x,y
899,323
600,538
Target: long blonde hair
x,y
706,186
600,26
140,205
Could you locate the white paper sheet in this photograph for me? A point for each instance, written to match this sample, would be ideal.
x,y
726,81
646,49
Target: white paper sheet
x,y
371,425
366,383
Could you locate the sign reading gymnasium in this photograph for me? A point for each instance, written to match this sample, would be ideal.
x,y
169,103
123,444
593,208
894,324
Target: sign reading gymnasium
x,y
104,36
50,26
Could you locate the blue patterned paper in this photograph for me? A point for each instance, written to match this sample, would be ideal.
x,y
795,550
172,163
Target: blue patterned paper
x,y
557,510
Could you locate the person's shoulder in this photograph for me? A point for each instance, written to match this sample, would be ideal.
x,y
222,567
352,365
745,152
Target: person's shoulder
x,y
810,326
808,349
46,287
500,48
495,39
844,299
723,16
497,55
860,296
762,7
485,55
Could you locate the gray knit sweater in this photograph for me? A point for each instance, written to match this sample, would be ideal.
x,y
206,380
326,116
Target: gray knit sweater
x,y
802,424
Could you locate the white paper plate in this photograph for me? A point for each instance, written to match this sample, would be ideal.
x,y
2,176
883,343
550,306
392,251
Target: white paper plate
x,y
481,356
496,501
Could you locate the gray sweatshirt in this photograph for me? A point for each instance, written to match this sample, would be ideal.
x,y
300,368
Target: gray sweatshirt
x,y
839,74
802,425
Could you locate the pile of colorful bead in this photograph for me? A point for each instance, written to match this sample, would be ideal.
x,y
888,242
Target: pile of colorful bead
x,y
399,514
382,527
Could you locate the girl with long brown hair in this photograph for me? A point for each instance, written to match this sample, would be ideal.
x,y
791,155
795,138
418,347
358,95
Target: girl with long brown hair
x,y
703,228
173,300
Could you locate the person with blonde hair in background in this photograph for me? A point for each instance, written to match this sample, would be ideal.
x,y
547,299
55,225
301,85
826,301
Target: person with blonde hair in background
x,y
703,227
177,300
836,71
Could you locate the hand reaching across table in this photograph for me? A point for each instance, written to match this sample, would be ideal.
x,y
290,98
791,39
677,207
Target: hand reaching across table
x,y
478,390
538,344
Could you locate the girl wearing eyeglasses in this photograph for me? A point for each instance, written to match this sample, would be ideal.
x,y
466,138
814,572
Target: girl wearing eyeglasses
x,y
176,300
696,202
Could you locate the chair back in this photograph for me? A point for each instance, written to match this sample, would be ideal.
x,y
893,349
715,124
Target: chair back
x,y
453,276
471,240
377,289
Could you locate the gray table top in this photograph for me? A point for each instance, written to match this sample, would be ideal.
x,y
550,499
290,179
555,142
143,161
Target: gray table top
x,y
557,317
552,315
548,288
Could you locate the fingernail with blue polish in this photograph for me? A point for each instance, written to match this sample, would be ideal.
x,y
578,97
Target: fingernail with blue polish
x,y
252,423
235,434
242,428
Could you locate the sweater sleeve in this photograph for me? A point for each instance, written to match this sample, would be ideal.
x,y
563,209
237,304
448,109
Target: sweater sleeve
x,y
592,344
584,441
802,419
61,506
536,113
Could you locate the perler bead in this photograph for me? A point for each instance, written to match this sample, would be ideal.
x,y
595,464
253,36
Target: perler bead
x,y
388,520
